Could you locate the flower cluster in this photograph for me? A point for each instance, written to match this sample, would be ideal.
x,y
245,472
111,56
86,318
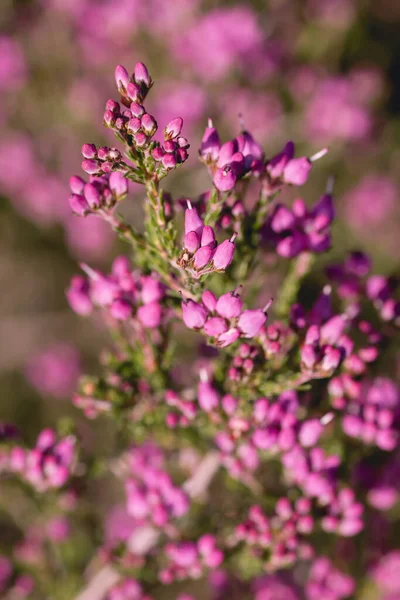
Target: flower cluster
x,y
301,229
124,294
282,535
316,474
189,560
353,284
201,253
151,495
324,581
50,464
100,194
257,420
136,127
223,319
373,415
231,161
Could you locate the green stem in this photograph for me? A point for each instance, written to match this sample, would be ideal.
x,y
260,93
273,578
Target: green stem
x,y
292,282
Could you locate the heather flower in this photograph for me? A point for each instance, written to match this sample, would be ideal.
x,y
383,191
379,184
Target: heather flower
x,y
224,318
300,229
324,581
124,295
386,572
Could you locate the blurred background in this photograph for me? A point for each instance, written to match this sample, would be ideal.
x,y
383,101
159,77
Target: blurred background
x,y
323,73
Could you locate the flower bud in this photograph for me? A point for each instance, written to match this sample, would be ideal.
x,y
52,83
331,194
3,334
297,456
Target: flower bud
x,y
134,92
118,185
210,144
140,139
229,404
332,330
134,125
208,237
193,222
91,166
191,242
149,124
251,321
173,129
331,360
121,309
313,335
207,396
169,161
76,184
223,255
310,432
157,153
224,179
78,296
194,314
122,78
136,109
92,195
277,164
202,257
152,289
308,356
150,314
228,338
89,151
226,153
229,305
209,300
78,204
282,220
297,171
141,75
215,326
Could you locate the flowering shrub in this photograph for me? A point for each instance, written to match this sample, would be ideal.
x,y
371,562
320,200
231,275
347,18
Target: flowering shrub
x,y
250,461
